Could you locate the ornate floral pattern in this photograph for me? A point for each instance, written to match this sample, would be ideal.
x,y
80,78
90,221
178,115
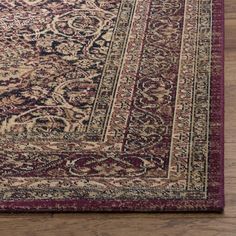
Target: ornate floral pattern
x,y
108,102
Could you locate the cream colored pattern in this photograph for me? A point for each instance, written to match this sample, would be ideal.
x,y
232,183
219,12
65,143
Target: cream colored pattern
x,y
180,147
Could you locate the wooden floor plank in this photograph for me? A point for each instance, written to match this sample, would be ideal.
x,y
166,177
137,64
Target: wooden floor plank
x,y
230,9
230,33
122,227
230,95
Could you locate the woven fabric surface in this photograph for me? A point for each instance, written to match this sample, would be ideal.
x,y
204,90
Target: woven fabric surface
x,y
111,105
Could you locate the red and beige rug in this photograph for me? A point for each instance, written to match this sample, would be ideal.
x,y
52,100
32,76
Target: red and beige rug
x,y
111,105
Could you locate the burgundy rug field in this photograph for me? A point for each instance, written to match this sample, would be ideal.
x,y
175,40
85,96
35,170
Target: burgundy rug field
x,y
111,105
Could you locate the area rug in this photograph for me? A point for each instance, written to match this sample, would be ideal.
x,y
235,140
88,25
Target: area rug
x,y
111,105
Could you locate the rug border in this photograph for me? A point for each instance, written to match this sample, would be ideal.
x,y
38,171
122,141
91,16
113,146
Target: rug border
x,y
209,205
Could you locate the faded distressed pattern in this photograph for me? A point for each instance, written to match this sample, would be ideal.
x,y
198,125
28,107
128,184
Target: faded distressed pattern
x,y
111,105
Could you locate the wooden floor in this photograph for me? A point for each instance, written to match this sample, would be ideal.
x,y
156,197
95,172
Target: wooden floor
x,y
152,224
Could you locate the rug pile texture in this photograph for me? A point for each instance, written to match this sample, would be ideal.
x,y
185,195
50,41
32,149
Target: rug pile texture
x,y
111,105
